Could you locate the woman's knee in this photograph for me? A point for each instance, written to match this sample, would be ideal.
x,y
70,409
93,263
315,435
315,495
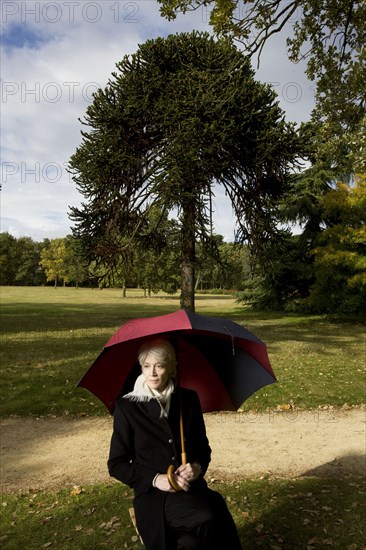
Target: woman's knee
x,y
187,541
206,515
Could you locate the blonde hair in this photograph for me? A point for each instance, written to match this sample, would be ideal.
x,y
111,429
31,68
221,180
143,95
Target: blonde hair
x,y
163,351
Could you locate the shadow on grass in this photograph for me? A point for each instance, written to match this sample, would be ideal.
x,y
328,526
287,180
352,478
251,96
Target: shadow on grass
x,y
271,327
97,517
344,466
18,318
312,513
40,372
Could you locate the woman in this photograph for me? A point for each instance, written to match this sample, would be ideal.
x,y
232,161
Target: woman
x,y
146,441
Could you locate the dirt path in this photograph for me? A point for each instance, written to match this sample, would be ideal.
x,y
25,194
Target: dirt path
x,y
49,453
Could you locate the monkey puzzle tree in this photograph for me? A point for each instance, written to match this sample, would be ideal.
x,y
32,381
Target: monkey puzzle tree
x,y
179,116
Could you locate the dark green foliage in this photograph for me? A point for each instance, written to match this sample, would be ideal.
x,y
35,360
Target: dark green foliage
x,y
281,277
19,261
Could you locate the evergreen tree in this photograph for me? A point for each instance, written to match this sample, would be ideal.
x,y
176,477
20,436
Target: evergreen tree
x,y
178,116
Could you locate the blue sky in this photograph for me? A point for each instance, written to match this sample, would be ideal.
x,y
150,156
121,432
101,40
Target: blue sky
x,y
21,35
54,56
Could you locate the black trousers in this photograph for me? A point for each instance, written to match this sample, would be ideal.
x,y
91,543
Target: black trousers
x,y
200,522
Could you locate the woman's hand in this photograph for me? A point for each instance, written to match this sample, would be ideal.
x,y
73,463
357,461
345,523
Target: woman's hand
x,y
189,472
162,482
182,476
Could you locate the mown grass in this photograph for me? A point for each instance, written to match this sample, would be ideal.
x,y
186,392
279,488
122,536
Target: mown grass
x,y
269,514
51,336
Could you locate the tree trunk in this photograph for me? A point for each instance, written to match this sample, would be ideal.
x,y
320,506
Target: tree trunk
x,y
198,281
188,257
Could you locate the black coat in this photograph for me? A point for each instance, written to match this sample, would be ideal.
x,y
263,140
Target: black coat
x,y
144,444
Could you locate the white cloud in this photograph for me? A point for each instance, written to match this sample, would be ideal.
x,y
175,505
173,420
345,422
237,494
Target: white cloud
x,y
55,54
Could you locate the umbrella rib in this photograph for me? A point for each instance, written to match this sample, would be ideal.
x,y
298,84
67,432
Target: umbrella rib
x,y
232,340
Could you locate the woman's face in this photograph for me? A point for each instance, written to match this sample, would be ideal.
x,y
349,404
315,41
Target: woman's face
x,y
156,374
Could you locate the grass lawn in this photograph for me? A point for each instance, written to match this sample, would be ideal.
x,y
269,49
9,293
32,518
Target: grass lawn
x,y
309,514
49,337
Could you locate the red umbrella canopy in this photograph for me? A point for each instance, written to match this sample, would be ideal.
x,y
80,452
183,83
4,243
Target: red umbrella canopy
x,y
221,360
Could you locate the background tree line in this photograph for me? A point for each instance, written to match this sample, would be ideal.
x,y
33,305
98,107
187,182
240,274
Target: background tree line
x,y
61,262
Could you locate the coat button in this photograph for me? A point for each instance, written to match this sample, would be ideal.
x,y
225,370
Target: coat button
x,y
170,441
174,458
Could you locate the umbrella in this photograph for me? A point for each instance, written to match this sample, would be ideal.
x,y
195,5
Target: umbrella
x,y
218,358
221,360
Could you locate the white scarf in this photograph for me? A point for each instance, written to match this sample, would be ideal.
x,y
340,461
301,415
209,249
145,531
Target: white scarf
x,y
143,392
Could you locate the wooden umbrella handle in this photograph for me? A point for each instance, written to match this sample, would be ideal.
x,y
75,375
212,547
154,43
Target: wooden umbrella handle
x,y
174,485
171,468
182,442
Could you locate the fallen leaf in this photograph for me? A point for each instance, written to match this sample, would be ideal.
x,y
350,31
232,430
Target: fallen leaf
x,y
111,525
46,519
284,407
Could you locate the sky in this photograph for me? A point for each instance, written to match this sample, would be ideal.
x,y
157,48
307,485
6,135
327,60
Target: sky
x,y
55,55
